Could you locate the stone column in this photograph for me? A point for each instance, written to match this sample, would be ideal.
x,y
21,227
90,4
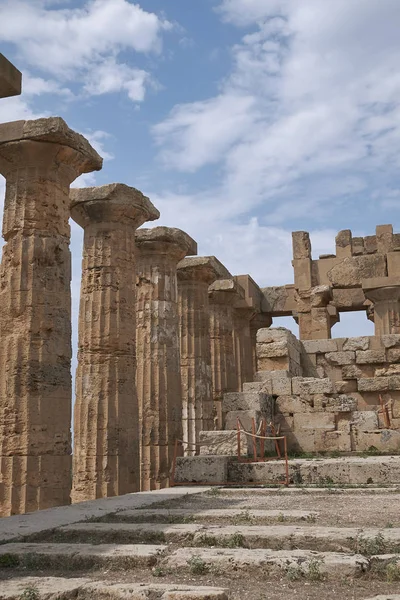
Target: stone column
x,y
106,416
384,292
223,295
243,344
195,274
39,160
158,358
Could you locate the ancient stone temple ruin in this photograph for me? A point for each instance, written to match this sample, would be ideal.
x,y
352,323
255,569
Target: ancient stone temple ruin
x,y
175,353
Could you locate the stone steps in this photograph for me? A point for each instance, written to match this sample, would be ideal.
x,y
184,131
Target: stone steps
x,y
80,556
274,537
349,470
52,587
186,515
269,561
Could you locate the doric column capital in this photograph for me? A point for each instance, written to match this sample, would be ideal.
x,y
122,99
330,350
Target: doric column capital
x,y
201,268
169,242
44,143
226,291
383,294
114,203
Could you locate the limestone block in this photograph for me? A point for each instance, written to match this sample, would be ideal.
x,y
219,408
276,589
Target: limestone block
x,y
356,372
272,350
313,421
391,340
394,382
281,383
302,440
364,420
356,343
365,357
302,273
330,441
352,270
393,263
246,418
223,443
320,346
385,440
245,401
393,355
292,404
301,244
386,371
272,335
350,299
311,385
341,358
341,404
344,243
373,384
201,469
346,387
370,244
252,386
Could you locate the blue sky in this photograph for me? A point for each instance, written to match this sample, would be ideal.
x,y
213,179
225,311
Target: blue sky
x,y
242,120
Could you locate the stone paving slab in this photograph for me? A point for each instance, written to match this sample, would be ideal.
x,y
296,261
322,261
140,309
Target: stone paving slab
x,y
253,536
50,588
81,554
19,526
218,513
329,563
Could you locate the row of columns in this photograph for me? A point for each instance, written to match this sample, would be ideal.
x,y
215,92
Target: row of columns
x,y
161,336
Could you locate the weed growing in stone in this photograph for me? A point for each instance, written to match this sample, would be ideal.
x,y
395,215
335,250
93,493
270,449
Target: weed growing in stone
x,y
214,491
281,518
393,572
313,572
8,561
243,517
370,546
31,592
197,565
234,541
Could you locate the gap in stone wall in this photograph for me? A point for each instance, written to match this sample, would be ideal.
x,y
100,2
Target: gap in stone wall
x,y
353,324
288,323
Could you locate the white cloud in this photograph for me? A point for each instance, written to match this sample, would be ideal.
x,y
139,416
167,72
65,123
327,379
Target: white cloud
x,y
83,44
309,111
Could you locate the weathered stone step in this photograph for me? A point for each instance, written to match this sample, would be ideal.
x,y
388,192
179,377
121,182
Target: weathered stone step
x,y
186,515
46,587
276,537
45,555
305,562
348,470
243,492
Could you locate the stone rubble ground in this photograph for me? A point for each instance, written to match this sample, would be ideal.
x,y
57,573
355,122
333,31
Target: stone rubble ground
x,y
218,544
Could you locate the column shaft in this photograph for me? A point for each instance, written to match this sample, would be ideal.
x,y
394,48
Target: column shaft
x,y
158,369
35,321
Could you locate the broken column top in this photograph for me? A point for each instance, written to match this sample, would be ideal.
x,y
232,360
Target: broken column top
x,y
55,131
164,239
115,202
202,268
301,244
227,291
10,79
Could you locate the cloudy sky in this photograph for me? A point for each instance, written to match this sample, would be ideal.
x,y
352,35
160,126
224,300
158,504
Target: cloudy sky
x,y
241,119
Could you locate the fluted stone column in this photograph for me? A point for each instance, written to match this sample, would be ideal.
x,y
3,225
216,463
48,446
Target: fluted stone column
x,y
384,292
106,415
243,346
195,274
158,358
39,160
223,295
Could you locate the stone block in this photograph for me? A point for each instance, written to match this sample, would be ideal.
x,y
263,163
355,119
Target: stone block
x,y
364,420
319,346
245,417
273,335
314,421
341,358
386,371
272,350
356,372
346,387
291,405
252,386
394,382
311,385
201,469
10,79
390,341
341,404
331,441
365,357
244,401
373,384
222,443
356,343
281,383
384,440
393,355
